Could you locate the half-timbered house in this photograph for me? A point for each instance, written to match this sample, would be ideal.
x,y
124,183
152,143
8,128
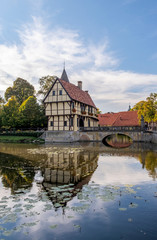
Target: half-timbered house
x,y
68,107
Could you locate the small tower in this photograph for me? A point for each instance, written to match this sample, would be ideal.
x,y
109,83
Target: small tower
x,y
129,107
64,76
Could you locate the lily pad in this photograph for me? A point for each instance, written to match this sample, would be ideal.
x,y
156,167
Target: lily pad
x,y
17,205
122,209
11,218
77,226
7,233
133,205
28,206
57,205
30,224
53,226
18,210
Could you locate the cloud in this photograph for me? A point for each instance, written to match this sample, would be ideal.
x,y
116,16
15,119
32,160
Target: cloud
x,y
115,90
130,171
42,50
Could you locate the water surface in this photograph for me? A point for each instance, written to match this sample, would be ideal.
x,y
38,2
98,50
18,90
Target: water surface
x,y
86,191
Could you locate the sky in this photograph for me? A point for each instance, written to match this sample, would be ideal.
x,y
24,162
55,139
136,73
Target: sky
x,y
109,45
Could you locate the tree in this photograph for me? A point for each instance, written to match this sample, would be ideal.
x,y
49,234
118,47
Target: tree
x,y
45,84
1,101
30,113
21,89
152,100
147,108
98,111
1,107
10,113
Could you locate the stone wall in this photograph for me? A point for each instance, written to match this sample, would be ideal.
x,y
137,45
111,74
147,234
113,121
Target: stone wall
x,y
61,136
154,137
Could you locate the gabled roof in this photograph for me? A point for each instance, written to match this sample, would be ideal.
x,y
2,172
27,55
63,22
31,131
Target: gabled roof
x,y
129,118
77,94
64,76
74,93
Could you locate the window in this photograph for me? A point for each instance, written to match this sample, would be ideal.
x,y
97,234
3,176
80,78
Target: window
x,y
53,93
60,92
73,105
88,122
51,123
90,109
82,107
65,123
71,122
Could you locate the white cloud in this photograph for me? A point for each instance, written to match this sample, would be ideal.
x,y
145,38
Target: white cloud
x,y
126,171
42,51
114,90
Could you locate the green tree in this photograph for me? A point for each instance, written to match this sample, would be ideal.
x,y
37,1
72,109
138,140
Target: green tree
x,y
21,89
30,113
10,113
1,107
45,84
147,108
98,111
1,101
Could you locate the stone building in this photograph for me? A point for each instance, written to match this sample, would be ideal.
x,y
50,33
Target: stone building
x,y
68,107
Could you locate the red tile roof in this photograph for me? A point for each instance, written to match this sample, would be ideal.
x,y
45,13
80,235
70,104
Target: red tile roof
x,y
129,118
76,94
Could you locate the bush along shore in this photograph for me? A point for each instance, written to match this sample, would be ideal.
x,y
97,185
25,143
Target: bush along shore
x,y
21,137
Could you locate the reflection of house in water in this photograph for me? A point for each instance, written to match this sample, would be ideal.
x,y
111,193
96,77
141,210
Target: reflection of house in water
x,y
70,166
66,172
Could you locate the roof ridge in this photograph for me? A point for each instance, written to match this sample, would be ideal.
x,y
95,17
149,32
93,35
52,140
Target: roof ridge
x,y
79,94
118,114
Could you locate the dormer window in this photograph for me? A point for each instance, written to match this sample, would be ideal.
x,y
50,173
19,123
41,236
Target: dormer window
x,y
60,92
53,93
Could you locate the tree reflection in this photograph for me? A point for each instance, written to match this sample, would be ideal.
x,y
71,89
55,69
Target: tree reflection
x,y
16,172
149,161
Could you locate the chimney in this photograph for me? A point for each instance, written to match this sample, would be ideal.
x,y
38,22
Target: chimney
x,y
80,85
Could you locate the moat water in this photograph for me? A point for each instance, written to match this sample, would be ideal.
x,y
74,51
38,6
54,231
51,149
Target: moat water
x,y
80,191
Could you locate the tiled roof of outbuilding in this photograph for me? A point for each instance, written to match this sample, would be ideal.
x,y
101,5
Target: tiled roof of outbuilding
x,y
129,118
77,94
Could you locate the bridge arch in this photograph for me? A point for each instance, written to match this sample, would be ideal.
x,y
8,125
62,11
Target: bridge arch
x,y
117,140
98,134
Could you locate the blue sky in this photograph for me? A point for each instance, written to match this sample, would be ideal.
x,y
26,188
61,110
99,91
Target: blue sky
x,y
108,44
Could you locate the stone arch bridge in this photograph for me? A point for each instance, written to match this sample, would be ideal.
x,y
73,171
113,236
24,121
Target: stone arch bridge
x,y
97,134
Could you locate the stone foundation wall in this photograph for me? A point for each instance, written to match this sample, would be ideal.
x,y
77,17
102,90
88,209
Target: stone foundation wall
x,y
61,136
154,137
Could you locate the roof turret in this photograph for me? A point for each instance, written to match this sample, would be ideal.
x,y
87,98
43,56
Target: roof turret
x,y
64,76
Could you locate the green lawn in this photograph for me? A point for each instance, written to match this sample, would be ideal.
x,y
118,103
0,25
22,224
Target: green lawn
x,y
18,139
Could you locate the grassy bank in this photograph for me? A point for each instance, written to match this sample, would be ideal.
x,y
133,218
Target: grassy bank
x,y
20,139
